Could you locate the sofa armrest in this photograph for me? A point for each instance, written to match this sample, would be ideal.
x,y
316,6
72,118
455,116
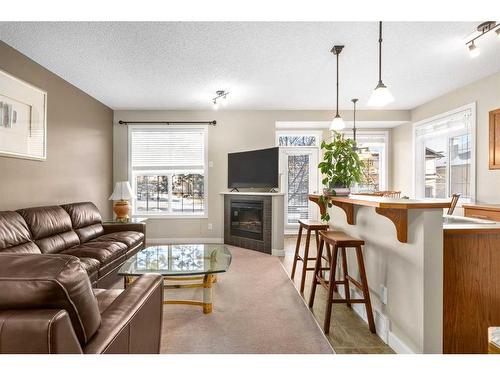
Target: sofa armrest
x,y
136,227
133,321
37,331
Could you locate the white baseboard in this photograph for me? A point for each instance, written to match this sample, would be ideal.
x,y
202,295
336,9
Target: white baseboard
x,y
186,240
278,253
398,346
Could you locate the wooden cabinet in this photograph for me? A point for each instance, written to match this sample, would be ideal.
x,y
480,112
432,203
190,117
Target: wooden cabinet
x,y
495,139
486,211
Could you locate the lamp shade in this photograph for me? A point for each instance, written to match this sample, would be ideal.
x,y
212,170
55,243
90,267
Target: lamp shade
x,y
122,191
337,123
380,96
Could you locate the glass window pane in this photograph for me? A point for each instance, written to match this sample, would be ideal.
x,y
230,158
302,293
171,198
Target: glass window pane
x,y
296,140
298,188
188,193
460,164
371,171
436,164
151,194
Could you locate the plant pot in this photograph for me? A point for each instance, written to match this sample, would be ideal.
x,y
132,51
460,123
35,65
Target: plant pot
x,y
337,191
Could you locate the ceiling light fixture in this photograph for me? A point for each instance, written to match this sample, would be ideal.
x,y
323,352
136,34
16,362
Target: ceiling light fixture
x,y
337,122
221,94
483,29
381,96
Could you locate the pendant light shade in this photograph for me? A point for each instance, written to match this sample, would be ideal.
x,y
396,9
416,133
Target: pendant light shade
x,y
381,96
337,122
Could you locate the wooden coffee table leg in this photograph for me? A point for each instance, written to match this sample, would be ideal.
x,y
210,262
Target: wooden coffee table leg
x,y
127,280
207,293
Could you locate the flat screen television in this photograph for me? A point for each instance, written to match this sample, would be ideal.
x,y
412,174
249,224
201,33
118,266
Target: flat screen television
x,y
253,169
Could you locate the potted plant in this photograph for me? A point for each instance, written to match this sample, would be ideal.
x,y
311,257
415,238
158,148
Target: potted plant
x,y
341,168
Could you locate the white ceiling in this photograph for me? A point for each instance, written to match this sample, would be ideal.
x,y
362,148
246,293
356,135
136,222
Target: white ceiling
x,y
265,65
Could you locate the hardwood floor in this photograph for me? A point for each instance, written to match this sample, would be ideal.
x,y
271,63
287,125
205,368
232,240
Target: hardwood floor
x,y
349,334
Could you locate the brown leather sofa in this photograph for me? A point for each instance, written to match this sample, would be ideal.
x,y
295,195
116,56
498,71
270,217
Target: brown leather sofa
x,y
47,305
73,229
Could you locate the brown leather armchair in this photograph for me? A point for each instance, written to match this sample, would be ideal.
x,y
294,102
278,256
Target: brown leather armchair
x,y
47,305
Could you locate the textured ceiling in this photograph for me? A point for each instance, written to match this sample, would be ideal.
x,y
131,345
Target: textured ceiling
x,y
265,65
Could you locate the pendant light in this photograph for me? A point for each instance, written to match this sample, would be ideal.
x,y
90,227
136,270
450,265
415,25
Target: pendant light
x,y
337,122
381,95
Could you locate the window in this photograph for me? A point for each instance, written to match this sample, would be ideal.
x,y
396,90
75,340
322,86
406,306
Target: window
x,y
168,170
372,146
298,138
445,155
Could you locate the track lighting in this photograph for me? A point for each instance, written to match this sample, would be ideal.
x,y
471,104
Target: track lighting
x,y
221,97
381,95
337,122
483,29
473,50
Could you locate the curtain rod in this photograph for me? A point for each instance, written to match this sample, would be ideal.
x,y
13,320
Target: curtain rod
x,y
168,122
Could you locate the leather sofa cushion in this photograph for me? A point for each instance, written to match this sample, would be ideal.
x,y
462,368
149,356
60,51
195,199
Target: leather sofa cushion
x,y
50,227
107,268
129,238
104,252
91,266
13,230
25,248
50,282
86,220
105,297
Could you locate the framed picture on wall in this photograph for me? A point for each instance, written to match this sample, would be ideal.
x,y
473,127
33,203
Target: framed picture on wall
x,y
23,119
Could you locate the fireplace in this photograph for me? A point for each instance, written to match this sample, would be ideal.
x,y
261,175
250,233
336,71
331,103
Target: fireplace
x,y
247,219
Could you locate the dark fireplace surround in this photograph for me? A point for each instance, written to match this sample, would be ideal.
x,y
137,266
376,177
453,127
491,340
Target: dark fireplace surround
x,y
247,221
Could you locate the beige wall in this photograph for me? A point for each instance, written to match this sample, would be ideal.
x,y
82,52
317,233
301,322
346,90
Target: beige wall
x,y
235,131
79,145
486,94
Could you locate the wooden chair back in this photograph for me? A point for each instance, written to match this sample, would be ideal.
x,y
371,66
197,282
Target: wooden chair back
x,y
454,201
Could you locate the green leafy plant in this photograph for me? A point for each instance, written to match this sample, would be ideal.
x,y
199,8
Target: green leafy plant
x,y
341,167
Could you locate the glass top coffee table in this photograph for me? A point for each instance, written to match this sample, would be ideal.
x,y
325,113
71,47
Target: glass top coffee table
x,y
183,264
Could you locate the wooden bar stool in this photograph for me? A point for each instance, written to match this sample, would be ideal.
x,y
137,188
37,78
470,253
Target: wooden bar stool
x,y
309,225
339,241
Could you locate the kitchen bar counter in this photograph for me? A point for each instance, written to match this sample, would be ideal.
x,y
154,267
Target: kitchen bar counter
x,y
434,286
395,209
404,266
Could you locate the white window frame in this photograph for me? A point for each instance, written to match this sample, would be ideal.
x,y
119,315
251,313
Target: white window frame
x,y
428,121
366,133
170,215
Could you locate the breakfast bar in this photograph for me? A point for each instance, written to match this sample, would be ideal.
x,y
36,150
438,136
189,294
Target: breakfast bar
x,y
404,264
422,269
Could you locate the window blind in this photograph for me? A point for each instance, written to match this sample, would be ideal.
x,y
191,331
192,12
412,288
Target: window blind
x,y
164,149
455,122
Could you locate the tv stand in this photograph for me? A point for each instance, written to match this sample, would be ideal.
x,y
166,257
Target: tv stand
x,y
233,190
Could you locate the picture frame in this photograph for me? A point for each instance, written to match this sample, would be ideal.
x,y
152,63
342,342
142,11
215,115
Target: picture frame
x,y
23,119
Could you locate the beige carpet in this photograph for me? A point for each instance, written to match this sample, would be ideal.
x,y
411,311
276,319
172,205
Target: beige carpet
x,y
256,310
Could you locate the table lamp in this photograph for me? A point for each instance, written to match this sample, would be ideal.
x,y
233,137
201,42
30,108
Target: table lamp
x,y
121,195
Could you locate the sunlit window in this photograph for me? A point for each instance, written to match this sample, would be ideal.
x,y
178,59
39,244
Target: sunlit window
x,y
444,155
168,169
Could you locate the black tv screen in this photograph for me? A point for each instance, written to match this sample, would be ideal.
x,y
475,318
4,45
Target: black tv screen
x,y
253,169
